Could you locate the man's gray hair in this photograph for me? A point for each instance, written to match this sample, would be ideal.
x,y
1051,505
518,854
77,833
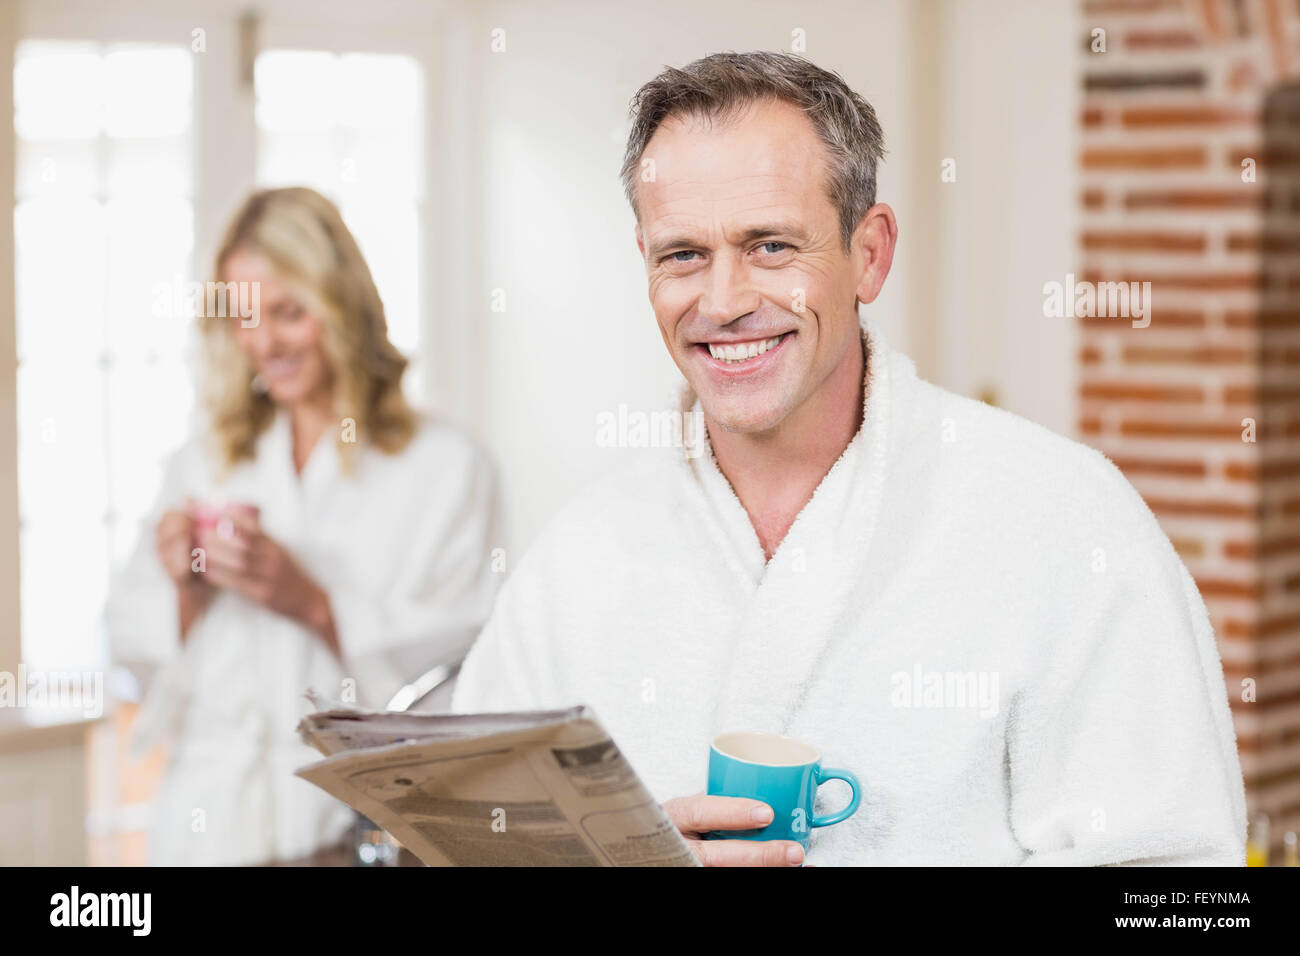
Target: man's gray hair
x,y
720,86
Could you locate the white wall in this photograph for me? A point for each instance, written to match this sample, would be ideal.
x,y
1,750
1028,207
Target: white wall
x,y
1008,117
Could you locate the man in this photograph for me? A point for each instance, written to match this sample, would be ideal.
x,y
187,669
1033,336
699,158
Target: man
x,y
978,617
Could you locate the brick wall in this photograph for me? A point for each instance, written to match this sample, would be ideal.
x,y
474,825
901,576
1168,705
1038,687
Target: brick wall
x,y
1183,93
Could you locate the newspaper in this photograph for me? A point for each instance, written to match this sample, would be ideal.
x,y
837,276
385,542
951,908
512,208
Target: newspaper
x,y
534,788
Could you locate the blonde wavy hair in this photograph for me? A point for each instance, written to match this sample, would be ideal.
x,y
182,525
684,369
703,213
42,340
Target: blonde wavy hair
x,y
303,237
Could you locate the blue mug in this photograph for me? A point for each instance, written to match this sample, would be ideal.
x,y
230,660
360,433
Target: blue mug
x,y
783,773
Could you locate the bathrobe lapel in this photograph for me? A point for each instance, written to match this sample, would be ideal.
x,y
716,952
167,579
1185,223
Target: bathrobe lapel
x,y
285,499
812,592
295,496
300,499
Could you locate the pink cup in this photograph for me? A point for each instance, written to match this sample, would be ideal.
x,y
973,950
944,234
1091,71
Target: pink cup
x,y
210,517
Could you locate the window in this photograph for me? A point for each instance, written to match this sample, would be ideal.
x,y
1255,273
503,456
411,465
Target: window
x,y
105,234
104,221
351,127
136,133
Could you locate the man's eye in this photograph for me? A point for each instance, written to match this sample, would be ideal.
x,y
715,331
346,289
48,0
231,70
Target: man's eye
x,y
677,256
780,247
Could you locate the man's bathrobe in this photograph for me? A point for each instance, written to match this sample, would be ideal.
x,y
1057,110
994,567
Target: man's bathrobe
x,y
979,617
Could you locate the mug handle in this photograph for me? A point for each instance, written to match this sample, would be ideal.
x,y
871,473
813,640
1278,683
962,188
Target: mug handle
x,y
828,773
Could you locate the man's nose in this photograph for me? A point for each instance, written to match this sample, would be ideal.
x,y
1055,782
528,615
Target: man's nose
x,y
729,294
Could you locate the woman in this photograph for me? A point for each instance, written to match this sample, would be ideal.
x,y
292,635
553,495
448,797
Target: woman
x,y
319,533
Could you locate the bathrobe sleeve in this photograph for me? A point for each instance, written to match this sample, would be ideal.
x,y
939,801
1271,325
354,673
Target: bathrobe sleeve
x,y
430,612
142,616
1122,748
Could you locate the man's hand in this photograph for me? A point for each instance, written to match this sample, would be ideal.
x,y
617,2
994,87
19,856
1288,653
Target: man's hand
x,y
695,816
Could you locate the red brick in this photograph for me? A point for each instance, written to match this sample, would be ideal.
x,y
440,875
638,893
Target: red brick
x,y
1267,242
1172,467
1228,588
1255,394
1181,430
1152,241
1280,469
1197,199
1240,550
1201,280
1189,355
1201,114
1161,40
1263,318
1273,625
1266,156
1144,80
1261,668
1238,630
1145,157
1181,318
1280,356
1139,392
1164,318
1281,545
1201,508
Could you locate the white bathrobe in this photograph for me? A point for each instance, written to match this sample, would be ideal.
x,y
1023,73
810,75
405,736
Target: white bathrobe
x,y
403,549
980,618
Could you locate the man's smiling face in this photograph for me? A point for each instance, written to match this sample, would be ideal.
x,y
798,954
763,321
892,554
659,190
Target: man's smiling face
x,y
754,293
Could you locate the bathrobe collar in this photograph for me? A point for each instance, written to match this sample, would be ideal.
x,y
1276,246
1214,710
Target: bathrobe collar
x,y
872,434
296,495
276,444
797,593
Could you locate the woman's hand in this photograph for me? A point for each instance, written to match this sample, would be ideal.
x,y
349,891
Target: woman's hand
x,y
242,559
174,541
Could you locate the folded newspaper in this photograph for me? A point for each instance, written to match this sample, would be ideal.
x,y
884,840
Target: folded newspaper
x,y
533,788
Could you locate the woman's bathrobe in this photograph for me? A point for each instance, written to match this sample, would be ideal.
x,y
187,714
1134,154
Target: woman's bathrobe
x,y
403,549
980,618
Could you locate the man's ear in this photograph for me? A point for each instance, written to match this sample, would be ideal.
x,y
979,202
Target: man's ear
x,y
640,241
874,241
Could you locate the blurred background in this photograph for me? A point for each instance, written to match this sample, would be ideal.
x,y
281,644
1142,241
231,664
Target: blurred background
x,y
474,147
